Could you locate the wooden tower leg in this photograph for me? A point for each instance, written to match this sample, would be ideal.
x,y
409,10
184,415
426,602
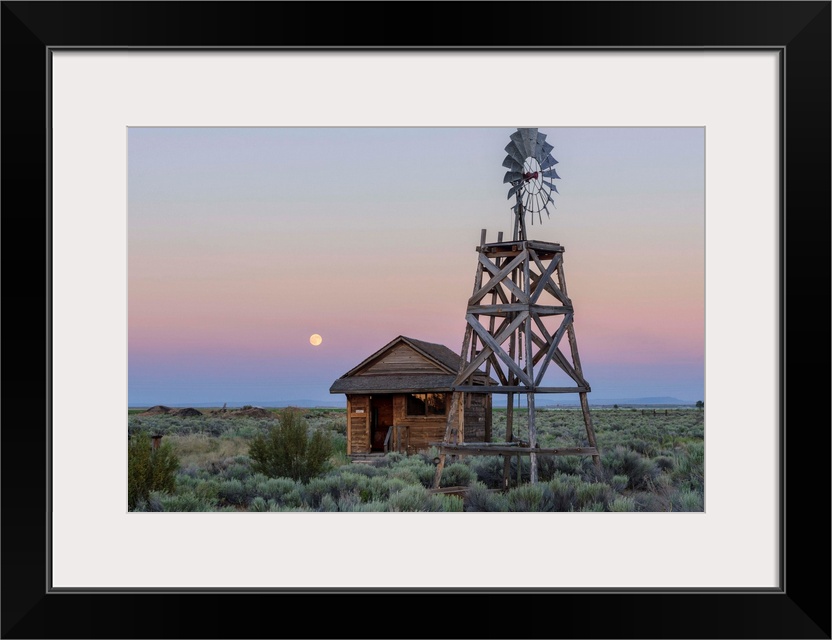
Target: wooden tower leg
x,y
532,440
451,430
590,432
509,436
576,359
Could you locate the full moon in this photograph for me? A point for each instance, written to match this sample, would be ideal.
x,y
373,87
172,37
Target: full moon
x,y
315,339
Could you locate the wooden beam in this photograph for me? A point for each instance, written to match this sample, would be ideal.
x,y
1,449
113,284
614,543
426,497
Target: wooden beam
x,y
476,362
495,449
546,335
504,309
545,246
545,276
567,321
489,340
494,361
497,278
510,268
518,389
573,373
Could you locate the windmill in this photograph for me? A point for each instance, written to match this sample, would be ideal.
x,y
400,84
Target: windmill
x,y
519,318
531,169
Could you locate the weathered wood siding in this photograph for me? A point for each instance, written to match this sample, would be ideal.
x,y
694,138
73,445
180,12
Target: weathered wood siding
x,y
477,417
400,360
416,432
422,429
358,424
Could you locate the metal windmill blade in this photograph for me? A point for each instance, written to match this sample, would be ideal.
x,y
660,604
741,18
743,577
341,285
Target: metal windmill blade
x,y
514,153
530,140
520,140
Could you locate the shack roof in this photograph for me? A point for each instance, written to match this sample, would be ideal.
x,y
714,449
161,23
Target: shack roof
x,y
419,367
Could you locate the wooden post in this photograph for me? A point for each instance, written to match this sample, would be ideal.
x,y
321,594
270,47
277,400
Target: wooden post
x,y
509,437
530,373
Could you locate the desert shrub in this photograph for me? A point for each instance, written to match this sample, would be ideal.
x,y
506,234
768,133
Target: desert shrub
x,y
572,465
643,447
248,430
349,482
619,483
149,469
237,471
414,469
389,459
564,492
154,501
339,444
186,501
445,503
480,498
339,426
687,500
411,498
374,506
365,469
191,471
328,503
379,489
530,497
489,470
456,475
408,476
289,451
281,490
622,461
623,503
593,493
664,463
258,504
207,489
649,501
314,491
690,467
233,491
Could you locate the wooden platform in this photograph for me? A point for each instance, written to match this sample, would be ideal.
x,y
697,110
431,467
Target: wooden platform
x,y
366,458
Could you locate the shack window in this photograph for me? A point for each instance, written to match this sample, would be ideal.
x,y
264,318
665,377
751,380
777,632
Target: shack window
x,y
426,404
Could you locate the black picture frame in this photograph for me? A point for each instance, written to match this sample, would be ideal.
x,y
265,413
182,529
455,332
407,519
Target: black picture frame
x,y
800,608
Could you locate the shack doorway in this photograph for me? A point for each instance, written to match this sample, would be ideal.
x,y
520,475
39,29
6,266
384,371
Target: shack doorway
x,y
381,410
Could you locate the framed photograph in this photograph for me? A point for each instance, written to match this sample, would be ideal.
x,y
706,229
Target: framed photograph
x,y
86,82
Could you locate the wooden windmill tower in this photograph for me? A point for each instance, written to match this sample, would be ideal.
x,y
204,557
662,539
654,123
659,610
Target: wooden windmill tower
x,y
520,317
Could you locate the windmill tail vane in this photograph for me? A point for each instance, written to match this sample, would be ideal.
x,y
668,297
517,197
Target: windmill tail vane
x,y
531,174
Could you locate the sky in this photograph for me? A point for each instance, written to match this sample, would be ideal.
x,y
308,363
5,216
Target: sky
x,y
244,242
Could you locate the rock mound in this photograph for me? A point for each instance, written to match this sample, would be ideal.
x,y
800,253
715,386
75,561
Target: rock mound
x,y
187,412
159,408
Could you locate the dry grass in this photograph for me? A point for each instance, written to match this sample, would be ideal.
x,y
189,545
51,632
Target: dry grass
x,y
199,450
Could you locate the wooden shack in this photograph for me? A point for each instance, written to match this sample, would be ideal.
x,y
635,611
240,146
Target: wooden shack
x,y
398,399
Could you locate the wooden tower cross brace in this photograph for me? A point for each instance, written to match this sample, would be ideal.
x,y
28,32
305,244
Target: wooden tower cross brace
x,y
519,327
